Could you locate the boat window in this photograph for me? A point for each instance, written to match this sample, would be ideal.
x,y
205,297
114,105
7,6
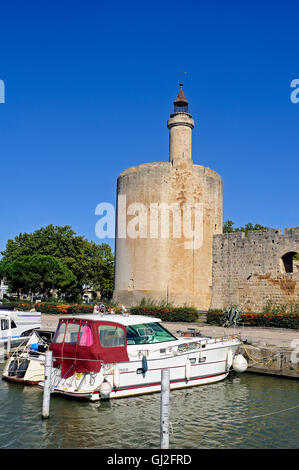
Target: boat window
x,y
12,324
148,333
85,338
72,333
4,324
59,335
111,336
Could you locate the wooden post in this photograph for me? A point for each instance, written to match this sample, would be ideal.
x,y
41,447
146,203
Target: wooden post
x,y
47,385
165,409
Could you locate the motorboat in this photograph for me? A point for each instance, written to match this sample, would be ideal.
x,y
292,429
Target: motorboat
x,y
26,365
17,326
112,356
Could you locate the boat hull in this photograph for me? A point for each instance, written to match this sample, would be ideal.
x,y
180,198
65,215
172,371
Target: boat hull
x,y
207,364
20,381
140,389
24,370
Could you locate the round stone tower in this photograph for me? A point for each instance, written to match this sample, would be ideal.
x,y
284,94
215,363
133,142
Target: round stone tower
x,y
167,214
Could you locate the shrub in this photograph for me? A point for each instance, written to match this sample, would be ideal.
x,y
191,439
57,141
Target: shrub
x,y
58,309
265,320
70,309
167,314
290,307
24,305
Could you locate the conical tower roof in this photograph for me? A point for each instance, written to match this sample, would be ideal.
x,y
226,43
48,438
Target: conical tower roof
x,y
181,100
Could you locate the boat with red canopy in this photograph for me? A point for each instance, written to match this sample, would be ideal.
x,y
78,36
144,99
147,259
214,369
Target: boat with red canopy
x,y
112,356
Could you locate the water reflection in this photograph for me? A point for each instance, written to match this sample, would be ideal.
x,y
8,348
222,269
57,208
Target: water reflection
x,y
221,415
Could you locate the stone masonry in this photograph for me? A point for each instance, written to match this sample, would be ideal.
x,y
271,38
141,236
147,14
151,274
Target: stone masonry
x,y
251,271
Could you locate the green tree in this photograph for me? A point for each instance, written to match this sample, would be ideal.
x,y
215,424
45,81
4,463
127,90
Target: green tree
x,y
37,274
228,227
91,264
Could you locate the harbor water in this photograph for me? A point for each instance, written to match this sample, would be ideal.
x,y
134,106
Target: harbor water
x,y
245,411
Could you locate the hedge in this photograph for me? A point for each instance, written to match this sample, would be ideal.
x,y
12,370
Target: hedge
x,y
53,308
170,314
265,320
60,309
19,305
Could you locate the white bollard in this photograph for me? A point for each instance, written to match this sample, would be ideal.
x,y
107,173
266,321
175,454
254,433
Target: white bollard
x,y
165,409
8,346
47,385
2,351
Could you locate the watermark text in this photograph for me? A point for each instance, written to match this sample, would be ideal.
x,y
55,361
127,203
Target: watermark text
x,y
2,92
155,221
295,93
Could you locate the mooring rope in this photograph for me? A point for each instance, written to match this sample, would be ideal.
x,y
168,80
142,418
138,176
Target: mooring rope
x,y
262,361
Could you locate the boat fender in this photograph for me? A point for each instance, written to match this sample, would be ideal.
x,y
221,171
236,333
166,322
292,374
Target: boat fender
x,y
144,364
116,377
239,363
13,368
22,368
105,389
229,359
188,370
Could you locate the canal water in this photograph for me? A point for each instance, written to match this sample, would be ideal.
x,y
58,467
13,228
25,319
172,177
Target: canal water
x,y
245,411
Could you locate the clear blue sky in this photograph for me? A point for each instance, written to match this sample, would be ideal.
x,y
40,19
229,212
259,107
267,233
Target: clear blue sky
x,y
90,86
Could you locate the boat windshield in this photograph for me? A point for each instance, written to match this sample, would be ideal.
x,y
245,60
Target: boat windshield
x,y
148,333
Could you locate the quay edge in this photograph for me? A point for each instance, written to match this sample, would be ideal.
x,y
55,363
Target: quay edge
x,y
271,360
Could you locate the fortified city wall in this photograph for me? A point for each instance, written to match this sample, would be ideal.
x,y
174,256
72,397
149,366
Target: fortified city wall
x,y
250,271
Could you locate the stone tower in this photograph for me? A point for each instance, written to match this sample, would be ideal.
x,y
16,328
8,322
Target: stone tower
x,y
167,214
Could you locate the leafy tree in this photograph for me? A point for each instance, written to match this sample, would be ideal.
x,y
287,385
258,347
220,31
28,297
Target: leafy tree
x,y
91,264
228,227
37,274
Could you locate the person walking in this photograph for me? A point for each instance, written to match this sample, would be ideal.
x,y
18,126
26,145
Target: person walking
x,y
96,308
124,311
102,309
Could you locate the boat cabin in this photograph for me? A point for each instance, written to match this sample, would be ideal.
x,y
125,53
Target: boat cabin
x,y
18,325
84,343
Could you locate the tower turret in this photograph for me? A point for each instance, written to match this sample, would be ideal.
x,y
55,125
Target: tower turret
x,y
180,127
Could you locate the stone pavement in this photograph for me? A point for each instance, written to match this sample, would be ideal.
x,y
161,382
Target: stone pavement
x,y
281,337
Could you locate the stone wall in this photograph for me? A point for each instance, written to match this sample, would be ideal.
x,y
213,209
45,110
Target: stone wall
x,y
250,271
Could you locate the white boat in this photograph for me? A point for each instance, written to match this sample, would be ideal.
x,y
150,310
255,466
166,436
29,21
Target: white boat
x,y
113,356
26,365
17,325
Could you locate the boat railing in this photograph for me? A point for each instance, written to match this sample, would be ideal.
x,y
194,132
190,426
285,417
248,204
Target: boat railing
x,y
221,339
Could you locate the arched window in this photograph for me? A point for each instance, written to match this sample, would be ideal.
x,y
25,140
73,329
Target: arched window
x,y
288,261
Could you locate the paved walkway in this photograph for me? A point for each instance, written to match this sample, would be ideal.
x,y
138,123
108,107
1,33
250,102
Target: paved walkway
x,y
281,337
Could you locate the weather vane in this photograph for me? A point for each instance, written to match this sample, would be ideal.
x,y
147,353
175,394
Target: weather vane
x,y
182,75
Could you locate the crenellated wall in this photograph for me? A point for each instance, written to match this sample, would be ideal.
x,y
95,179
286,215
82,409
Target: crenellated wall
x,y
249,271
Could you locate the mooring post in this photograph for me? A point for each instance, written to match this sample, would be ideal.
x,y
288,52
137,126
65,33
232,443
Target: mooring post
x,y
2,351
47,385
165,409
8,346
